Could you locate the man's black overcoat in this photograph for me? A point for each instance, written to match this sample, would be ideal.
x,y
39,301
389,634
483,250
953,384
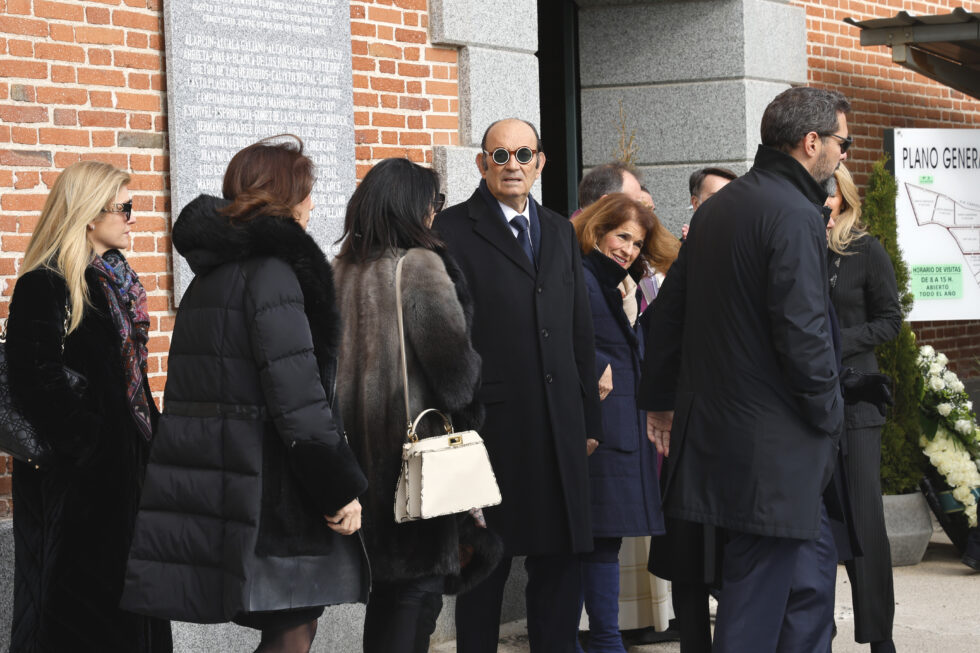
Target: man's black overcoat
x,y
533,330
745,358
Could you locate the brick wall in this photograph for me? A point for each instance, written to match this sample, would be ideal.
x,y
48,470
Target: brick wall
x,y
86,80
885,95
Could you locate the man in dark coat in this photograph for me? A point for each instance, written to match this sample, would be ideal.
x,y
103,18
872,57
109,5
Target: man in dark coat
x,y
751,413
533,329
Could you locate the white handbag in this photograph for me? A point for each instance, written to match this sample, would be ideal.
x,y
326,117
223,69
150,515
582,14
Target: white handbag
x,y
442,474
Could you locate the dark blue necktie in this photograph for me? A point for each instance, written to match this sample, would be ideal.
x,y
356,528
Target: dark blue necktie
x,y
519,222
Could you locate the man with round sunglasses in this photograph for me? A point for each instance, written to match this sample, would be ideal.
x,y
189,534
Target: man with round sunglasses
x,y
533,328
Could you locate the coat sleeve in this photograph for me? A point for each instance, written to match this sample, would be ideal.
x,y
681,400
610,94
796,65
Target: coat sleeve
x,y
881,303
282,345
797,300
436,331
664,337
35,332
583,337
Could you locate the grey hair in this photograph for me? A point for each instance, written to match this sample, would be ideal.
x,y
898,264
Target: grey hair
x,y
602,180
830,186
796,112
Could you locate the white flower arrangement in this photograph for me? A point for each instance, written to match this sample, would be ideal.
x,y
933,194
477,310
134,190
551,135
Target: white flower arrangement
x,y
951,439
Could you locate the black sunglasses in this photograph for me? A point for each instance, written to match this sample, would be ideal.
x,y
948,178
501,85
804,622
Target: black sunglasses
x,y
845,143
501,155
125,207
438,202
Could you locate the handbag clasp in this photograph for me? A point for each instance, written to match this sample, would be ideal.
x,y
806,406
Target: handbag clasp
x,y
455,440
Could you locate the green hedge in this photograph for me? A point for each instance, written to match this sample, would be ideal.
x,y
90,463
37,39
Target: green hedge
x,y
902,462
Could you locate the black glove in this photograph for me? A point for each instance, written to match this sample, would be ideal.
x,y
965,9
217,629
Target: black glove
x,y
871,387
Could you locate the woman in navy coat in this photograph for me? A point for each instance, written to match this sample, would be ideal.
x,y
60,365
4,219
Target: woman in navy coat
x,y
620,239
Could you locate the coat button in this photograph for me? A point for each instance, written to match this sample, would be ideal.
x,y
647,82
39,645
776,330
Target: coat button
x,y
548,378
544,333
540,289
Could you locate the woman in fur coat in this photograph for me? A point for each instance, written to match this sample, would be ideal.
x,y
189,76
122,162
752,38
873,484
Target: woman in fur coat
x,y
250,509
413,563
78,304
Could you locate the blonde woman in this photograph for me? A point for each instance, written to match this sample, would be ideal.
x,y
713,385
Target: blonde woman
x,y
865,297
78,303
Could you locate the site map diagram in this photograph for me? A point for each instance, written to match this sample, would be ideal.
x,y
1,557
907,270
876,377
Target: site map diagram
x,y
961,219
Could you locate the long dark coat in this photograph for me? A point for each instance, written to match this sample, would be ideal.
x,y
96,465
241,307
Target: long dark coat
x,y
534,332
249,457
745,358
73,520
623,469
443,373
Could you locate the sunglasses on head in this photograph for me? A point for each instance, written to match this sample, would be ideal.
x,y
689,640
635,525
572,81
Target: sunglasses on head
x,y
438,202
844,142
125,208
501,155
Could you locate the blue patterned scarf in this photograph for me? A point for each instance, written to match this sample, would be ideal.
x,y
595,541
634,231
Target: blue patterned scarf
x,y
127,304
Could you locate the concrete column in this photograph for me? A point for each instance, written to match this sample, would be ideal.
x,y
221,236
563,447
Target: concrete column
x,y
693,77
498,78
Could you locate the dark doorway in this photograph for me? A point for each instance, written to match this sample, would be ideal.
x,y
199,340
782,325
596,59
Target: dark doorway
x,y
559,90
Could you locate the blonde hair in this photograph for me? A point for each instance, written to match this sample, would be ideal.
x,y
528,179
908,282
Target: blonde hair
x,y
847,226
60,242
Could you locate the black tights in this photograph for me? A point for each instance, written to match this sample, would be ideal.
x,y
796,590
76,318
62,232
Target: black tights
x,y
298,639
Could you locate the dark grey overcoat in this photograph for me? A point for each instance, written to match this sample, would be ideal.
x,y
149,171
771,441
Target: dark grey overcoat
x,y
745,358
533,330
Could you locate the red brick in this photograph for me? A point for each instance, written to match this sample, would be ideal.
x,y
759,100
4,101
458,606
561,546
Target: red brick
x,y
141,121
101,77
366,136
362,152
26,26
386,33
19,68
155,42
15,113
411,19
415,122
410,36
362,118
147,22
53,136
411,54
64,74
138,101
363,63
59,52
365,99
99,57
97,15
142,162
18,7
100,35
61,32
103,138
61,95
389,138
415,138
137,60
412,70
356,12
137,40
386,66
117,160
388,84
384,51
362,29
138,81
65,159
6,181
441,88
18,48
23,135
388,120
19,202
417,5
441,54
358,47
389,101
65,117
414,87
147,182
27,179
58,10
100,98
441,122
381,15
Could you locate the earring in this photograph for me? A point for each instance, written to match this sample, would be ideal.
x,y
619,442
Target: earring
x,y
91,227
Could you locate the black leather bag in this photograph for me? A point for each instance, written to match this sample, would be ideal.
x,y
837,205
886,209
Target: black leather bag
x,y
18,437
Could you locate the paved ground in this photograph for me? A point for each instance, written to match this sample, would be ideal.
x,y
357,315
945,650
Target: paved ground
x,y
937,610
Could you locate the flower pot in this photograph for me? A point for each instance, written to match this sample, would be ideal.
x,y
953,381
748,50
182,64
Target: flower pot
x,y
908,525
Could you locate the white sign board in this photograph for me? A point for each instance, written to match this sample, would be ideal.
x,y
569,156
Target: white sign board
x,y
938,213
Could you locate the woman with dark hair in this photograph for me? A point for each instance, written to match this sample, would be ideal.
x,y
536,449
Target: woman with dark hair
x,y
620,239
865,297
250,509
78,303
413,563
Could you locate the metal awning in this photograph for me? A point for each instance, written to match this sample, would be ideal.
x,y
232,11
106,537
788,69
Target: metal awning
x,y
944,48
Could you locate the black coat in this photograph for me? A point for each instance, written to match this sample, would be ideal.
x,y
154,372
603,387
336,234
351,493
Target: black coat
x,y
623,469
248,457
73,521
745,358
865,296
443,373
534,332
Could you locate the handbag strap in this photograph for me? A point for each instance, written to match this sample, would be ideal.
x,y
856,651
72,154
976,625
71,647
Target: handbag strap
x,y
410,425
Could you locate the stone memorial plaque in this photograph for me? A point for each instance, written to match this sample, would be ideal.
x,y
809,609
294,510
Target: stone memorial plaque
x,y
242,70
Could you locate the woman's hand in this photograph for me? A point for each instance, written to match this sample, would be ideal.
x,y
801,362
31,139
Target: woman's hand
x,y
605,383
591,444
347,521
659,424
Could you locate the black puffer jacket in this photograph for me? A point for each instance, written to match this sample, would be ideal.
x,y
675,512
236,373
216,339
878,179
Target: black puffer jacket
x,y
248,457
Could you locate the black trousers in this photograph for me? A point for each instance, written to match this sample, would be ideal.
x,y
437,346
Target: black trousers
x,y
690,601
402,616
554,584
871,574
